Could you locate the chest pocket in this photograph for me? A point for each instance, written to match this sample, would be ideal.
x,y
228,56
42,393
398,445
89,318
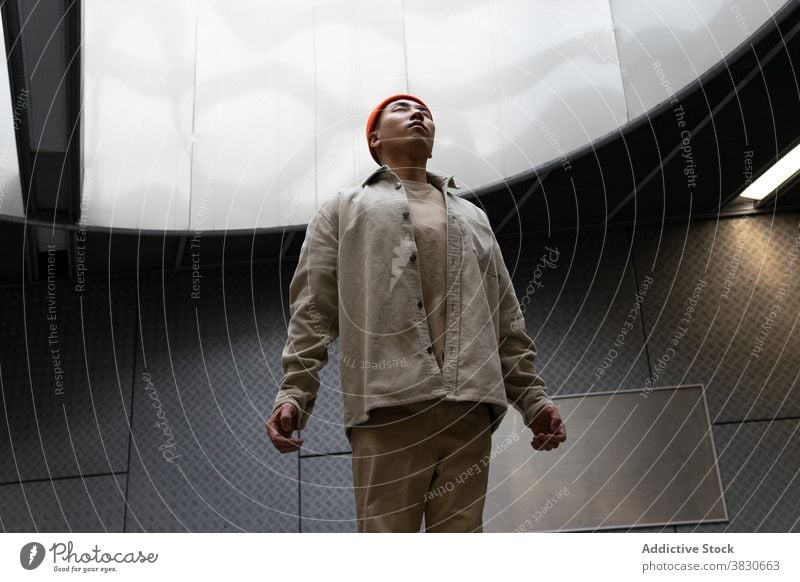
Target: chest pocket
x,y
482,242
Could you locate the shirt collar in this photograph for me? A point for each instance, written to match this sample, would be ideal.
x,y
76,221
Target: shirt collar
x,y
433,177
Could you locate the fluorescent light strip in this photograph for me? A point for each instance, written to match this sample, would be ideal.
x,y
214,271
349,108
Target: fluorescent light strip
x,y
770,180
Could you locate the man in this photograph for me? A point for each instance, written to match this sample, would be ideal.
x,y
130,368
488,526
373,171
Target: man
x,y
433,341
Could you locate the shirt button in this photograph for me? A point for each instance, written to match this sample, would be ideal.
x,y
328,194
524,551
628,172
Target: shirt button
x,y
397,185
419,304
413,257
430,350
405,214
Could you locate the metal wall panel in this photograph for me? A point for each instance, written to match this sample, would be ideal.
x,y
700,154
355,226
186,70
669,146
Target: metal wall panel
x,y
66,363
632,458
201,459
216,364
759,463
327,498
578,293
723,310
82,504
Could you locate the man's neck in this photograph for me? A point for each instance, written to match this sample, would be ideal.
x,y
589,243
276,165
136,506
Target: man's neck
x,y
413,170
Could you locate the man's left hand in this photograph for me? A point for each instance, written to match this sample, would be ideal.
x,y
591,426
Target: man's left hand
x,y
547,428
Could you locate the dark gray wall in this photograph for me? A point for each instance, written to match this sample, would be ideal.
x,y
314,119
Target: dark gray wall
x,y
140,357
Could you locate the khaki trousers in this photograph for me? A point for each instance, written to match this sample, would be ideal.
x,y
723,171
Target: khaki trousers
x,y
428,458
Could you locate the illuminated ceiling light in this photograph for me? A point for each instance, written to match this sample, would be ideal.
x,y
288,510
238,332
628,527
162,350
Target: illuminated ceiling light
x,y
783,170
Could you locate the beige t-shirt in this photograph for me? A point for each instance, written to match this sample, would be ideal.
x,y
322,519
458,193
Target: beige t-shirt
x,y
429,219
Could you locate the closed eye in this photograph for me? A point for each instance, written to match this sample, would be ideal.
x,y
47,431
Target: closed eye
x,y
401,107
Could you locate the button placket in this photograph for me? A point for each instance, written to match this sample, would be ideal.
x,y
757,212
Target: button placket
x,y
422,324
452,298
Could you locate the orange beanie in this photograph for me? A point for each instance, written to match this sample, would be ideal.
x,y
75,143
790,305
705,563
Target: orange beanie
x,y
376,113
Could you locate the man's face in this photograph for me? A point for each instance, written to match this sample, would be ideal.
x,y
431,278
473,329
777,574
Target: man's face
x,y
404,124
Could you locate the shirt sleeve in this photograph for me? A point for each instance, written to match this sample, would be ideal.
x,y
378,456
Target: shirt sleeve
x,y
525,389
314,319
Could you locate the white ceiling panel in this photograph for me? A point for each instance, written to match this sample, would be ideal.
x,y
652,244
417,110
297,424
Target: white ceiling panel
x,y
255,116
558,79
449,52
666,44
138,96
221,115
359,61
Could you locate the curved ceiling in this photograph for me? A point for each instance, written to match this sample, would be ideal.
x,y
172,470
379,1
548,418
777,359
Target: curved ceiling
x,y
740,115
217,116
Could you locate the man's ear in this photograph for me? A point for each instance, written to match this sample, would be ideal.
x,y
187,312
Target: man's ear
x,y
373,139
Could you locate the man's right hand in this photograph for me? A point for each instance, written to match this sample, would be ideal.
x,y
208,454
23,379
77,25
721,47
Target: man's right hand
x,y
280,427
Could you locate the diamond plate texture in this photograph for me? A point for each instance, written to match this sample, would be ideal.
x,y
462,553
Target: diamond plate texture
x,y
214,363
576,291
91,504
204,384
325,431
730,274
760,463
633,459
89,348
327,500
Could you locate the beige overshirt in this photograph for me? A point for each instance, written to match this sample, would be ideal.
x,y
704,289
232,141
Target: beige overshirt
x,y
372,276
